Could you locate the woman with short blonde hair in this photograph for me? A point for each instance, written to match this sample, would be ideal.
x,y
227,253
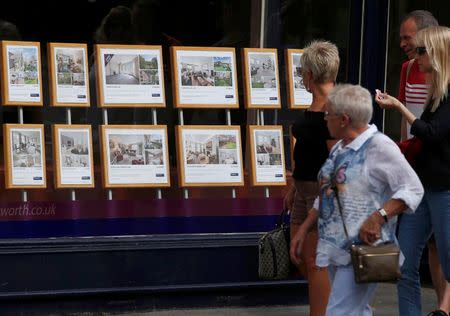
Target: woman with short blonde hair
x,y
320,65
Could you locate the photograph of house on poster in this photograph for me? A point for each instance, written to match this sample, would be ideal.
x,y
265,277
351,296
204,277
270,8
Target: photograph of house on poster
x,y
130,75
298,96
21,73
209,155
135,155
24,155
68,73
73,156
262,88
204,77
267,155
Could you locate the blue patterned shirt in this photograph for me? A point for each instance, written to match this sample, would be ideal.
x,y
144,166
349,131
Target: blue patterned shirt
x,y
367,172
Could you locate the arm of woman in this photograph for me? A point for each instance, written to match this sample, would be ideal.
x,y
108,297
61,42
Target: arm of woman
x,y
389,173
299,237
370,231
437,128
386,101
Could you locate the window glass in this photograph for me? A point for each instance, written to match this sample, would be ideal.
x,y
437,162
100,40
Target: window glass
x,y
206,23
293,24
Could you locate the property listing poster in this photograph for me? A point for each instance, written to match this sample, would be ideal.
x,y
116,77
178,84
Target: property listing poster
x,y
263,72
23,66
132,76
137,156
74,156
71,75
206,77
269,156
26,156
301,96
212,156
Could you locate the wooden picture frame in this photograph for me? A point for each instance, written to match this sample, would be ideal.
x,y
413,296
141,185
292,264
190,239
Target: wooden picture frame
x,y
204,77
69,74
24,153
261,78
298,97
209,155
129,76
73,156
134,156
268,166
21,78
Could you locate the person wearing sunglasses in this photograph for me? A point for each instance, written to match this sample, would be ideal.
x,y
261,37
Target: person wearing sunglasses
x,y
413,87
433,168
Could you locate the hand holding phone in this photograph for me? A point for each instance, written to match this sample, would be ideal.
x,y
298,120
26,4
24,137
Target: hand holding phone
x,y
378,94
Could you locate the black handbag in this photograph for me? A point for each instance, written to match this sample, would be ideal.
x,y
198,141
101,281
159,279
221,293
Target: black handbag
x,y
274,262
373,264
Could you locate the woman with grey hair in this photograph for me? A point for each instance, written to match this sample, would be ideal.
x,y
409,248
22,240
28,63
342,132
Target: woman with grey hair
x,y
320,65
374,183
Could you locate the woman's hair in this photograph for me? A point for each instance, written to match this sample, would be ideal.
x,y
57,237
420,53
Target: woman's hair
x,y
352,100
322,59
116,28
436,40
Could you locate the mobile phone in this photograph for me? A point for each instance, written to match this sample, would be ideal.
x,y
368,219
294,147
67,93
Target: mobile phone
x,y
378,92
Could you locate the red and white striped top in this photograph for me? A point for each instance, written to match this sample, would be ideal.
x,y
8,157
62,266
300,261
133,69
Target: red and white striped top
x,y
416,93
413,91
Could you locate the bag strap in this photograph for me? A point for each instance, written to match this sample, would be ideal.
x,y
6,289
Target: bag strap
x,y
408,69
335,189
282,218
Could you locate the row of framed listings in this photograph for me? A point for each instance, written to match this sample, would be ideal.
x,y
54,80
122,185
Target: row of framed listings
x,y
132,76
137,156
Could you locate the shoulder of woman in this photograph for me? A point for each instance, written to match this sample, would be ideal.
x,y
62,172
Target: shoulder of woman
x,y
382,143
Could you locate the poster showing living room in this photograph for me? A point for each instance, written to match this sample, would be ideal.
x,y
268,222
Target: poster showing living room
x,y
205,77
135,155
131,76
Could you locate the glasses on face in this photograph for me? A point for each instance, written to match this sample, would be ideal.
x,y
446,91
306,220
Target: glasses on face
x,y
421,50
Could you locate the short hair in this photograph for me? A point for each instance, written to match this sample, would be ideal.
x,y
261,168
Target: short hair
x,y
436,40
353,100
322,59
422,18
116,27
9,31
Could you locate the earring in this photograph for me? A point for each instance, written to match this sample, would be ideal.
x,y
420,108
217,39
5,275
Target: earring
x,y
342,125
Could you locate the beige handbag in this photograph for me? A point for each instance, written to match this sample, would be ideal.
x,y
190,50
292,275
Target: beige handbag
x,y
378,263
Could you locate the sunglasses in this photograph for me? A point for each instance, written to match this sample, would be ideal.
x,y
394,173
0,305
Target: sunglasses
x,y
421,50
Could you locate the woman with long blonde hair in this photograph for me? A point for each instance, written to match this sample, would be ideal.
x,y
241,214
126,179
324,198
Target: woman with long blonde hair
x,y
432,167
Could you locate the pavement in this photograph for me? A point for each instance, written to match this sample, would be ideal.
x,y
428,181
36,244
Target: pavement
x,y
383,304
244,302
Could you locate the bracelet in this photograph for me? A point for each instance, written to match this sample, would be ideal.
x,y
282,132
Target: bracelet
x,y
383,213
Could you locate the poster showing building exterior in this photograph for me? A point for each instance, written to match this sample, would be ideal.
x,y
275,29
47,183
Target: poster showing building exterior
x,y
135,156
209,155
205,77
262,88
73,156
21,75
69,74
24,155
268,166
298,96
130,76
